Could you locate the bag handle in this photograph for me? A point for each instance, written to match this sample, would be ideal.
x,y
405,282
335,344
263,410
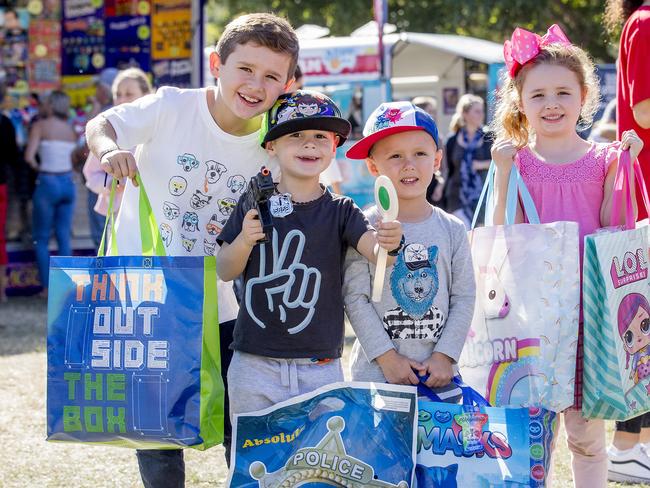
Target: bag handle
x,y
152,243
516,189
623,189
471,397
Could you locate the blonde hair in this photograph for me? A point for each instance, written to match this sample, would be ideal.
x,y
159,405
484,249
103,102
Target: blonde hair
x,y
510,123
135,74
463,106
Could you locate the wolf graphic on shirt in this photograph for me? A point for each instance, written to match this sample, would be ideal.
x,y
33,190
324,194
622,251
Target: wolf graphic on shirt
x,y
414,285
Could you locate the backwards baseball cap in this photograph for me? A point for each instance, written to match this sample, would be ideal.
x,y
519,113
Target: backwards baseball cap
x,y
303,110
392,118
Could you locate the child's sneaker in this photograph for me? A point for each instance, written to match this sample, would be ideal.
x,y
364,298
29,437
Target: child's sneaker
x,y
632,465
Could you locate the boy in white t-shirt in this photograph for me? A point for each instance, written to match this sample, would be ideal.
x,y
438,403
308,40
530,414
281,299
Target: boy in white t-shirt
x,y
197,150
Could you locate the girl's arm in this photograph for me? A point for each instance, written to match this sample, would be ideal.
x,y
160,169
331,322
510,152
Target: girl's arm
x,y
232,258
633,142
32,145
503,154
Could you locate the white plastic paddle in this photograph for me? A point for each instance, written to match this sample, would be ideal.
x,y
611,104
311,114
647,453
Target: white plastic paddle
x,y
386,201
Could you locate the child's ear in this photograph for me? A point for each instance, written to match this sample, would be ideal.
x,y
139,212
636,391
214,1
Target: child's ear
x,y
438,160
215,64
270,148
372,167
289,84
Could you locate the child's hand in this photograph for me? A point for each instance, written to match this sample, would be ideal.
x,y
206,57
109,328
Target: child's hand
x,y
251,228
389,234
120,164
633,142
503,153
439,368
398,369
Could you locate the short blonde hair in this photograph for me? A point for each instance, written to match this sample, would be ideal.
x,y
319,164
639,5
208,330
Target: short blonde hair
x,y
462,107
132,74
510,123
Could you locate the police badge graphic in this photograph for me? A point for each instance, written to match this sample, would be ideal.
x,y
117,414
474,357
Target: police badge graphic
x,y
327,464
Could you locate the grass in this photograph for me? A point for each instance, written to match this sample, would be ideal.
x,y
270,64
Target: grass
x,y
31,461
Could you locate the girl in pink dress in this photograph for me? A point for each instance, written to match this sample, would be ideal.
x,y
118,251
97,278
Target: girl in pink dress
x,y
550,93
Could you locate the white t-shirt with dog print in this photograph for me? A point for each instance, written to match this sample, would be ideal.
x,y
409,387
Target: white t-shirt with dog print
x,y
192,170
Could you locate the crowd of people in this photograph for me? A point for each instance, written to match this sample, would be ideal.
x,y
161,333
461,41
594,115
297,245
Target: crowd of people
x,y
549,93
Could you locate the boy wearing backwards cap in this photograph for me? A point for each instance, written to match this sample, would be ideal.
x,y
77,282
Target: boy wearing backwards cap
x,y
289,333
419,326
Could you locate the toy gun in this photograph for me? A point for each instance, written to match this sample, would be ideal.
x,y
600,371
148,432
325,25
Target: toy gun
x,y
260,189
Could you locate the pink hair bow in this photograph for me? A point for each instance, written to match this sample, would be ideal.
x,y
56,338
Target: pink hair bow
x,y
524,46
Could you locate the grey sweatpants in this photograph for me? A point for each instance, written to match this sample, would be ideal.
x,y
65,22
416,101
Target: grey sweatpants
x,y
257,382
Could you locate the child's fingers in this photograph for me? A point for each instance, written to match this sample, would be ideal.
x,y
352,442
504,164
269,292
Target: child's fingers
x,y
251,214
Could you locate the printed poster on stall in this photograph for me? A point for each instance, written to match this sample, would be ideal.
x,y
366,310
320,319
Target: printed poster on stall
x,y
128,41
44,54
83,37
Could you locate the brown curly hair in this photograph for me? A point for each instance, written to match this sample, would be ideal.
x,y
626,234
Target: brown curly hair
x,y
510,123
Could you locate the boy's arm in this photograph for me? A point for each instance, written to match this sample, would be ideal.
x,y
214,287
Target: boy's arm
x,y
126,126
102,142
462,296
233,255
367,325
388,235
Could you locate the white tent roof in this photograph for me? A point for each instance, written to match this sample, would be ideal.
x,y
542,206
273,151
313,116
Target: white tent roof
x,y
467,47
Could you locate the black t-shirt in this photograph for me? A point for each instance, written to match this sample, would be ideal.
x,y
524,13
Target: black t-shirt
x,y
292,305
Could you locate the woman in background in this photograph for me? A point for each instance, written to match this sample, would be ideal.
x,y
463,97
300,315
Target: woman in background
x,y
467,158
54,139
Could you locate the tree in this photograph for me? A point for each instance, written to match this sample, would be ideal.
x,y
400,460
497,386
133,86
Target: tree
x,y
486,19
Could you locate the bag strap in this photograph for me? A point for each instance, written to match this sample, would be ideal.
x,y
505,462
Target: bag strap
x,y
487,194
623,189
516,190
152,243
471,397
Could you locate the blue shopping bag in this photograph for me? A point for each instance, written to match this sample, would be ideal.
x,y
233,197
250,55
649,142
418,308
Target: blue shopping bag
x,y
511,445
133,349
344,434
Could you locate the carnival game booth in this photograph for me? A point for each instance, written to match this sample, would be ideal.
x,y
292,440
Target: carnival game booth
x,y
441,66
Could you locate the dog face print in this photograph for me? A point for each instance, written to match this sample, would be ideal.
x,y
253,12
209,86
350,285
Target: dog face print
x,y
209,247
237,183
190,222
214,171
171,210
213,227
199,200
177,185
188,243
226,206
188,162
166,234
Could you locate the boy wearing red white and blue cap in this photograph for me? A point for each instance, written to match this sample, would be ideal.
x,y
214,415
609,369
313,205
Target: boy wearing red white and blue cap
x,y
288,337
419,327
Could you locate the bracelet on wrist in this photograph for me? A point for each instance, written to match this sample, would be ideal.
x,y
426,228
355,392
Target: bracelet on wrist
x,y
396,251
104,153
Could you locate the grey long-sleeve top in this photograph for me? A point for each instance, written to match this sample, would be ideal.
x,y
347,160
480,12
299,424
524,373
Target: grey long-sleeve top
x,y
428,297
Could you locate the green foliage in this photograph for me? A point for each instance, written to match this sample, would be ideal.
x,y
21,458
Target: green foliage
x,y
487,19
